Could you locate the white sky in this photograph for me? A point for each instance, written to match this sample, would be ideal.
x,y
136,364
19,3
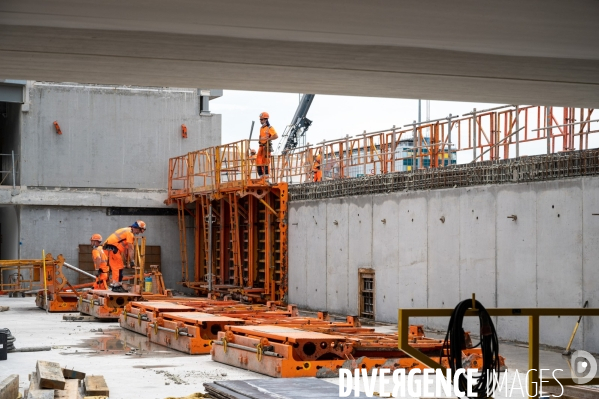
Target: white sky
x,y
332,116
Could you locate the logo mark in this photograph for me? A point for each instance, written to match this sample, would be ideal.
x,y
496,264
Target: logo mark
x,y
583,367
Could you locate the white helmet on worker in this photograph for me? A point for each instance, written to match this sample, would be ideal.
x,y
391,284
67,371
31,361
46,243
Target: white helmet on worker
x,y
139,224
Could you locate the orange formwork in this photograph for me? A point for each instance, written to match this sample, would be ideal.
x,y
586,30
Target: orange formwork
x,y
280,351
189,332
61,295
240,234
137,315
105,304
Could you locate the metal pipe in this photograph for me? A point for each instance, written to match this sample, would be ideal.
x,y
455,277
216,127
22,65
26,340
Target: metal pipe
x,y
567,124
433,120
248,348
517,133
45,282
474,134
79,270
13,168
185,334
210,247
486,110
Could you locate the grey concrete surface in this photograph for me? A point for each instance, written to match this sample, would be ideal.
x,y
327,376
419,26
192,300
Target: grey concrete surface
x,y
112,136
546,258
60,230
153,371
79,345
540,52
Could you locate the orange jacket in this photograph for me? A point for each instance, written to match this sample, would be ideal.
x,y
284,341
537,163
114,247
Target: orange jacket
x,y
100,259
123,239
266,133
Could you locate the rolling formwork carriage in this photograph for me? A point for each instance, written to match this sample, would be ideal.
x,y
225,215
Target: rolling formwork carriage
x,y
240,224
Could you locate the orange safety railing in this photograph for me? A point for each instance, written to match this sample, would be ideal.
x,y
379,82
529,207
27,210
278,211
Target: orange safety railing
x,y
499,133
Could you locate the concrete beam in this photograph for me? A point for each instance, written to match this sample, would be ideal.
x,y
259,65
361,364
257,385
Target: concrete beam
x,y
82,197
538,52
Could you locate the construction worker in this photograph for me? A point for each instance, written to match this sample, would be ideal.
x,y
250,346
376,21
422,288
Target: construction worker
x,y
120,248
100,263
316,168
267,135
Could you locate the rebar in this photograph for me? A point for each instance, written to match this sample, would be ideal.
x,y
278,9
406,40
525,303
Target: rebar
x,y
516,170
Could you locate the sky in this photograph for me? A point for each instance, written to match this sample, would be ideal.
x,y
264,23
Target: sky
x,y
332,116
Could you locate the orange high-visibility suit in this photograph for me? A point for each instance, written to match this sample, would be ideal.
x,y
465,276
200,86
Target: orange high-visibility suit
x,y
263,156
316,169
101,264
123,240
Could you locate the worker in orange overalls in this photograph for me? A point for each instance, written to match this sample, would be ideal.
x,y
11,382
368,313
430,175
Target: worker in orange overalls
x,y
100,263
267,135
120,248
316,168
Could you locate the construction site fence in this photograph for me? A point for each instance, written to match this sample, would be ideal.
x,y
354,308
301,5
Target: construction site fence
x,y
496,134
521,170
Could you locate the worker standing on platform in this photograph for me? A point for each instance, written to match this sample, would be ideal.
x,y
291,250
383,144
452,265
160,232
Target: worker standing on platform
x,y
316,169
100,263
267,135
120,249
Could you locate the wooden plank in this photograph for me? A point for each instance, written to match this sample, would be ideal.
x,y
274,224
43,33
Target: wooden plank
x,y
73,374
49,375
9,387
95,385
35,392
70,391
95,397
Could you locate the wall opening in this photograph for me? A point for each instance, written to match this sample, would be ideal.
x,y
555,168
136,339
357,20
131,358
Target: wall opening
x,y
366,292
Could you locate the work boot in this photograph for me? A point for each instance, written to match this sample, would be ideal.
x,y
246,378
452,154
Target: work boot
x,y
118,288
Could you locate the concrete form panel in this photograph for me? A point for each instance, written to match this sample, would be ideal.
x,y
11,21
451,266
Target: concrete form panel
x,y
413,252
113,137
359,244
590,254
559,255
316,254
477,245
297,254
385,253
443,252
516,257
337,257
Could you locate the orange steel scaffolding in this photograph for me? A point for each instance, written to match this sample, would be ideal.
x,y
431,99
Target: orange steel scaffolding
x,y
240,224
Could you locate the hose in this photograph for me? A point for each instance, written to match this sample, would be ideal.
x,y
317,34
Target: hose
x,y
489,344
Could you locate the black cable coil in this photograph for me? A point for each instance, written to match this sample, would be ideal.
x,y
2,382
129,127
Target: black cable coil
x,y
489,344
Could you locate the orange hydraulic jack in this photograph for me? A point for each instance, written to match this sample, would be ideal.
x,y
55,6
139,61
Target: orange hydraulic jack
x,y
280,351
58,298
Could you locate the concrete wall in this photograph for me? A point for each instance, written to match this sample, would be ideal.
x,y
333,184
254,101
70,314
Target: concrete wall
x,y
112,137
60,230
546,258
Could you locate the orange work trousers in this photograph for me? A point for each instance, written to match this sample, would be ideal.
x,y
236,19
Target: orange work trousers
x,y
116,265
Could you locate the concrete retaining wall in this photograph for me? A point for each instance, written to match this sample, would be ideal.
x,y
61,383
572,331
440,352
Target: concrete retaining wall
x,y
546,258
112,136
